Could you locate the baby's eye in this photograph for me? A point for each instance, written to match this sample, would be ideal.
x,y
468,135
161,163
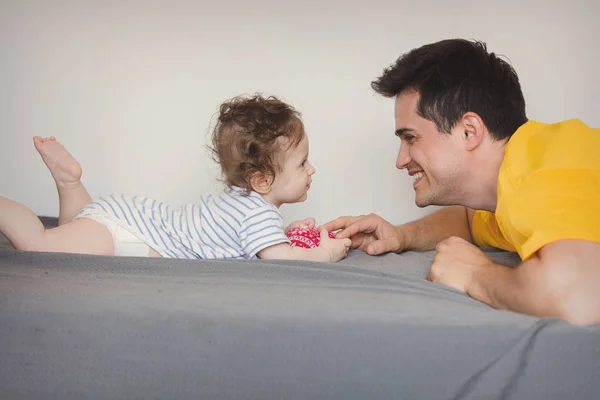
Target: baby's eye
x,y
303,163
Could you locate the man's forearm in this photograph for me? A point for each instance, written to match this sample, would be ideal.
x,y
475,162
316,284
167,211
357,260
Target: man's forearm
x,y
502,287
427,232
517,289
560,280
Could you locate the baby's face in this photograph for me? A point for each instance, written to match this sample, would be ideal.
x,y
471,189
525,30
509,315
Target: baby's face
x,y
291,184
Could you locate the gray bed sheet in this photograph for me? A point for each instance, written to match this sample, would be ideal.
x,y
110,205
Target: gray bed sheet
x,y
74,326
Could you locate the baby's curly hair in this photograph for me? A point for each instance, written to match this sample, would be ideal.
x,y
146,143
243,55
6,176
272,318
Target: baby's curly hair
x,y
249,133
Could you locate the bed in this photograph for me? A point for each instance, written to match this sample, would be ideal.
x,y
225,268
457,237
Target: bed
x,y
76,326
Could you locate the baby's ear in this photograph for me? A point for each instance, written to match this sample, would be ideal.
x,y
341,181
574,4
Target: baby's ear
x,y
261,182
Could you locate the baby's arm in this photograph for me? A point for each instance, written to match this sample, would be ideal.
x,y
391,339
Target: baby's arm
x,y
329,250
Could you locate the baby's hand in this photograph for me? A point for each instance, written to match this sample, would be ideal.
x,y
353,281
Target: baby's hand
x,y
337,248
302,223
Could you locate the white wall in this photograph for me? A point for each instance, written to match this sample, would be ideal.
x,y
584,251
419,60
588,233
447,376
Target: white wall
x,y
130,86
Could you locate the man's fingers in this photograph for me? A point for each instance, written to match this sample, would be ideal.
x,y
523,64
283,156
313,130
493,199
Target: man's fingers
x,y
310,222
382,246
429,276
356,242
359,225
338,223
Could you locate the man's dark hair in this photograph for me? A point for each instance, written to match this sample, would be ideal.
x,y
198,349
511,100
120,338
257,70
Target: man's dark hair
x,y
456,76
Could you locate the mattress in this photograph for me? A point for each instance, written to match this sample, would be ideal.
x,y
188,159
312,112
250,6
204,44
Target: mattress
x,y
79,326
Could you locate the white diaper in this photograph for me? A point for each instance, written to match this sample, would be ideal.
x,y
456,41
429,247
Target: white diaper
x,y
125,242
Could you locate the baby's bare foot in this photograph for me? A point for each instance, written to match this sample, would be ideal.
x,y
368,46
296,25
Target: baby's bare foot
x,y
64,168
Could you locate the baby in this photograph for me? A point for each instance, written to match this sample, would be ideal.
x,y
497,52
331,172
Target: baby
x,y
262,149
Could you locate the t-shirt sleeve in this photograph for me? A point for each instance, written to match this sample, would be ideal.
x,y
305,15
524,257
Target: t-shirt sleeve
x,y
486,232
262,227
556,204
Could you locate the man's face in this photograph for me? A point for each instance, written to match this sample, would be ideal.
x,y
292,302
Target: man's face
x,y
433,158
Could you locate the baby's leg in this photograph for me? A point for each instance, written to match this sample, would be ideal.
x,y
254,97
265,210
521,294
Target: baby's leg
x,y
26,232
66,171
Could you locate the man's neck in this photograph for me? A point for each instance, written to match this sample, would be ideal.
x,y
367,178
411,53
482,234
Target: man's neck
x,y
484,194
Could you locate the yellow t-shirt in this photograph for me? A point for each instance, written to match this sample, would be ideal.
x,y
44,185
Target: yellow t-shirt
x,y
548,189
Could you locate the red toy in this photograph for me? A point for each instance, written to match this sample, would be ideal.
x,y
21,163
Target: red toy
x,y
306,238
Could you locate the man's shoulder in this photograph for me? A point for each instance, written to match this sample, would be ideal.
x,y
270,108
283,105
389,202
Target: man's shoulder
x,y
535,132
537,146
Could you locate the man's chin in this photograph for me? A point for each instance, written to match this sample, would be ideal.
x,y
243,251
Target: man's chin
x,y
421,202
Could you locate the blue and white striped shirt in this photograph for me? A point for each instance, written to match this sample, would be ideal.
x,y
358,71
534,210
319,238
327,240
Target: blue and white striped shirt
x,y
231,225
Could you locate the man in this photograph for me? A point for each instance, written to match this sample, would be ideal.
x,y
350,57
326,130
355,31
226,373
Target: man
x,y
510,183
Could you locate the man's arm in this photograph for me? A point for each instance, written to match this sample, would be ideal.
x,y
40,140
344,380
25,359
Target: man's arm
x,y
373,234
560,280
427,232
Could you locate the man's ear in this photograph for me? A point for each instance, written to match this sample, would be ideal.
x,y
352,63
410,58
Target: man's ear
x,y
473,130
261,182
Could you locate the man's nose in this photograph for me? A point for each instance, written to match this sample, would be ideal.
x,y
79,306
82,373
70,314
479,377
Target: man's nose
x,y
403,158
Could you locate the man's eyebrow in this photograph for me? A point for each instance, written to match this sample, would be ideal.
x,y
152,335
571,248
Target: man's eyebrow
x,y
403,131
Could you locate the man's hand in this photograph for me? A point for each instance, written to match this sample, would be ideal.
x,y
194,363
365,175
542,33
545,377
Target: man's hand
x,y
369,233
302,223
455,263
